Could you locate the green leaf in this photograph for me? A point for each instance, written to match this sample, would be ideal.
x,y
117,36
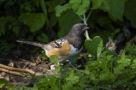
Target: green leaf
x,y
43,38
109,57
100,48
16,30
105,5
57,68
116,8
28,7
10,87
35,87
117,30
72,77
34,20
102,33
42,2
130,12
84,7
37,2
112,18
133,65
105,75
67,21
2,29
3,82
53,19
53,3
59,9
75,4
54,59
103,20
96,4
43,6
123,56
92,46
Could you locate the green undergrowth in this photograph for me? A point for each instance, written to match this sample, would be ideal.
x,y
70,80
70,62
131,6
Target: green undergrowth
x,y
46,20
106,71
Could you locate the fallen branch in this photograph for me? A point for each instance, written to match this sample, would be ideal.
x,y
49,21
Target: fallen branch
x,y
17,69
12,72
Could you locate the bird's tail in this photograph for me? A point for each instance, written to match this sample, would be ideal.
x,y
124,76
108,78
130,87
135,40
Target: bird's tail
x,y
32,43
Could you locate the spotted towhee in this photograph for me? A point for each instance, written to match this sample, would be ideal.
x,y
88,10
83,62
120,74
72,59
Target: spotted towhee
x,y
66,47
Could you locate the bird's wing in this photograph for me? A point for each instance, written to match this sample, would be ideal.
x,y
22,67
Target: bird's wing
x,y
57,43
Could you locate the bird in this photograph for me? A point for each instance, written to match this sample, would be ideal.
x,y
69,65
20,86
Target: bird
x,y
120,39
66,47
111,45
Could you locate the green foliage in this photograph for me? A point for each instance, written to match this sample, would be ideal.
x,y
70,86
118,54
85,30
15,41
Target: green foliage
x,y
9,23
59,9
47,19
75,4
83,7
34,20
5,47
65,27
92,45
106,72
96,4
79,6
129,9
54,59
53,3
4,82
43,38
99,48
103,20
114,7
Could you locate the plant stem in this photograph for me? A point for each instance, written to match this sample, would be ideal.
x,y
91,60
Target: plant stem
x,y
89,14
80,17
86,32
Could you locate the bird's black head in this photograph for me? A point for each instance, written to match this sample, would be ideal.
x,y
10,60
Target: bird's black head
x,y
78,29
76,35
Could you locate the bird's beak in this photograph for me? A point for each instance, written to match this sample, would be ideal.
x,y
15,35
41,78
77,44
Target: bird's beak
x,y
85,28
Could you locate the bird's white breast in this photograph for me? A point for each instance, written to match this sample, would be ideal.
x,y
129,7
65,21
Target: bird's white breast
x,y
74,51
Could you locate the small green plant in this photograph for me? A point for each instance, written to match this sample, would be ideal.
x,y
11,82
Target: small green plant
x,y
4,82
108,71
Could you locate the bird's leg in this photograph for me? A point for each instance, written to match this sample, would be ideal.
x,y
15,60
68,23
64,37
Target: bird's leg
x,y
70,62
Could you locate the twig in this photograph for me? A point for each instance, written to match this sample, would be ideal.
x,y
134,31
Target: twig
x,y
17,69
12,72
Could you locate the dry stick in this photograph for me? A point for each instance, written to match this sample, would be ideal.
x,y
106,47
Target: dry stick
x,y
17,69
12,72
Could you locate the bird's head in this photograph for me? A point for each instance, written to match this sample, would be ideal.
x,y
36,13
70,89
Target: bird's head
x,y
76,35
79,29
